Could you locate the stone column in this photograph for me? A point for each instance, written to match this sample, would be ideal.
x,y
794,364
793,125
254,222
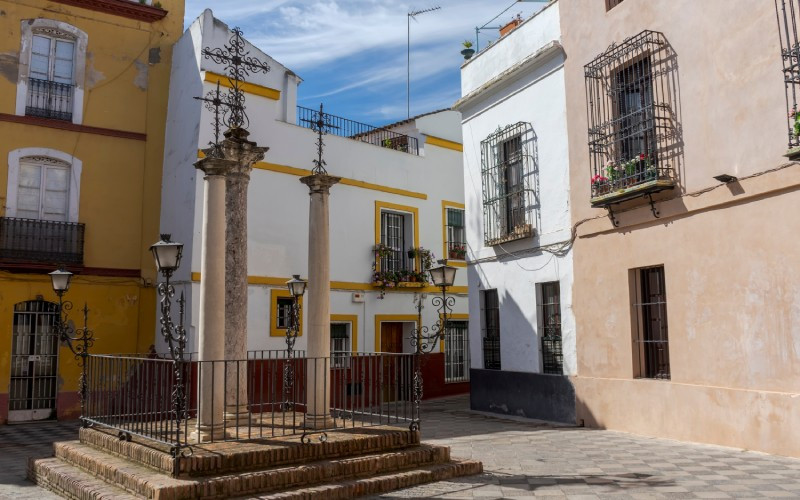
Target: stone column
x,y
212,303
242,154
318,304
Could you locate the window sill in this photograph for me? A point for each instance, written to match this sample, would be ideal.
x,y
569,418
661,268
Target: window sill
x,y
401,284
793,154
520,232
628,193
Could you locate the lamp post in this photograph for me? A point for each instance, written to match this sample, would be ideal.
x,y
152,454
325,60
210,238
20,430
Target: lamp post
x,y
79,341
297,287
167,255
424,339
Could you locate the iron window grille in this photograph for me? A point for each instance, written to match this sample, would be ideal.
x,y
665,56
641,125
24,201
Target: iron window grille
x,y
650,307
394,239
633,137
507,170
283,316
788,15
456,352
340,345
549,314
32,240
456,234
490,314
610,4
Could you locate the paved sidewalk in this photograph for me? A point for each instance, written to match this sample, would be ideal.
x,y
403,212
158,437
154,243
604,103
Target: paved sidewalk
x,y
526,459
522,459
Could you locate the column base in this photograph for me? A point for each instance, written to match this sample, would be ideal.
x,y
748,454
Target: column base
x,y
208,433
318,422
237,415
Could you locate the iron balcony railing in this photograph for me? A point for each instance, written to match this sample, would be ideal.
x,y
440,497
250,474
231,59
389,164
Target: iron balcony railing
x,y
48,99
32,240
358,131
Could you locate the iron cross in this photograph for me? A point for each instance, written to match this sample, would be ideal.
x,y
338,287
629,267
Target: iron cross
x,y
320,123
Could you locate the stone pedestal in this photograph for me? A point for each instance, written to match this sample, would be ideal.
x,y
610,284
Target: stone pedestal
x,y
242,155
318,303
211,393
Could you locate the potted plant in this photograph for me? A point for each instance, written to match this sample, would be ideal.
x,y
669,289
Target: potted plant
x,y
426,258
458,252
600,184
412,253
795,115
468,50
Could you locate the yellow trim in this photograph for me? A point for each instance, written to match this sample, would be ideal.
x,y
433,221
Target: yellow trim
x,y
342,285
302,172
250,88
274,331
380,318
445,205
385,205
353,320
458,316
444,143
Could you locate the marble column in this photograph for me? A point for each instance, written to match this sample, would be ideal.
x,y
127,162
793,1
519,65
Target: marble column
x,y
212,303
318,303
242,154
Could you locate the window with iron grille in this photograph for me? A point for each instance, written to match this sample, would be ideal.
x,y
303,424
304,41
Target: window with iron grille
x,y
788,22
610,4
393,236
507,170
650,323
50,82
633,132
456,352
548,307
490,315
340,345
456,234
284,312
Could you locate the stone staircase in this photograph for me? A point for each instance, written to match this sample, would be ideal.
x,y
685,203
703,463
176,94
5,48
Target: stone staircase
x,y
349,464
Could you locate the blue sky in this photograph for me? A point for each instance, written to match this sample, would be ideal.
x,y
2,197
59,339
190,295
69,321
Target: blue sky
x,y
351,54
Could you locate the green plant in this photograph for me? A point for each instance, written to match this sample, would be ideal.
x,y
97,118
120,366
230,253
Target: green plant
x,y
381,251
795,115
467,44
426,258
157,5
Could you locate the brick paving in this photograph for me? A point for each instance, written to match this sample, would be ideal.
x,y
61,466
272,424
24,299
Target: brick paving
x,y
522,459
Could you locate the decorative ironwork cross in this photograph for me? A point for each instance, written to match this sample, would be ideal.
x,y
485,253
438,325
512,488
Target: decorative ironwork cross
x,y
238,65
320,123
214,103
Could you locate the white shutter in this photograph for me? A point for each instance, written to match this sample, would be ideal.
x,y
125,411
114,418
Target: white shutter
x,y
29,191
43,190
62,62
56,193
40,57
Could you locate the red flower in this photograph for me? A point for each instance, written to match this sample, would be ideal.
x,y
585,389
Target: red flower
x,y
642,156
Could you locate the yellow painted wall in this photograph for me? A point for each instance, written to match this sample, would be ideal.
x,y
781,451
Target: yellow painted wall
x,y
126,89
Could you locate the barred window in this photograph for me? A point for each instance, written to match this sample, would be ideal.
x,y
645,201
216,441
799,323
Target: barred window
x,y
507,170
456,235
633,132
456,352
610,4
650,323
393,236
788,22
284,312
340,345
490,315
548,297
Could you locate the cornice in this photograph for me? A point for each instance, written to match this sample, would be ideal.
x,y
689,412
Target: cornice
x,y
122,8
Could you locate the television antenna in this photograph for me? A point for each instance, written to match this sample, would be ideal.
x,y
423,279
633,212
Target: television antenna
x,y
412,15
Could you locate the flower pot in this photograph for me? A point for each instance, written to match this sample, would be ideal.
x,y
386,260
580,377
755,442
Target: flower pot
x,y
467,53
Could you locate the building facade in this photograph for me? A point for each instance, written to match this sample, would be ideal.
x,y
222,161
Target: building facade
x,y
522,337
686,290
400,192
83,92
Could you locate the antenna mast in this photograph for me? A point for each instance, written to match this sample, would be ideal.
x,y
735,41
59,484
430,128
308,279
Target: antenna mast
x,y
412,14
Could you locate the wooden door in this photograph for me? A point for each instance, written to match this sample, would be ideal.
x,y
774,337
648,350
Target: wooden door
x,y
391,342
392,337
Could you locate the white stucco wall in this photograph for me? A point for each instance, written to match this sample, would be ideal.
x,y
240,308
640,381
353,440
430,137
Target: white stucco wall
x,y
278,202
533,94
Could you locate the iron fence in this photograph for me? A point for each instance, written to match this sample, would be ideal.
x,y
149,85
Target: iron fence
x,y
48,99
344,127
145,397
32,240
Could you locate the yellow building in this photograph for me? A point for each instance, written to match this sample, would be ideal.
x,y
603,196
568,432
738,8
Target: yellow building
x,y
83,100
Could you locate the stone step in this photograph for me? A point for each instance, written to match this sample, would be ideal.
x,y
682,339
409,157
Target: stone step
x,y
223,457
153,484
71,482
379,484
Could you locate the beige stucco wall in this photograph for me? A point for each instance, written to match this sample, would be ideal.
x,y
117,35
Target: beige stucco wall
x,y
728,251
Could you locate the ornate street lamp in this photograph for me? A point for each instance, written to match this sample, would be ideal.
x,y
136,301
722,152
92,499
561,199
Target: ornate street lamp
x,y
424,339
79,341
167,255
297,287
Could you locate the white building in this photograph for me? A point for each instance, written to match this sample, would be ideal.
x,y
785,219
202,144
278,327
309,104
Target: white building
x,y
522,333
400,190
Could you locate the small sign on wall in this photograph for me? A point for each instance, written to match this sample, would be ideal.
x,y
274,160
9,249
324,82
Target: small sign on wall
x,y
358,296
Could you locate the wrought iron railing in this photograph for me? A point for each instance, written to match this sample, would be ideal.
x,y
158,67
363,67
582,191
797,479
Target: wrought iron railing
x,y
136,396
358,131
48,99
33,240
788,14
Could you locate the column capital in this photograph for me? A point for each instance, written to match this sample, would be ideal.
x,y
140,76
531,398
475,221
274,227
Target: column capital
x,y
213,166
320,183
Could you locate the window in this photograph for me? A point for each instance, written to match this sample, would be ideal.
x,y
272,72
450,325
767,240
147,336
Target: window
x,y
456,352
548,297
43,189
507,167
281,312
284,314
393,236
788,21
610,4
633,131
456,241
650,323
490,314
340,345
52,61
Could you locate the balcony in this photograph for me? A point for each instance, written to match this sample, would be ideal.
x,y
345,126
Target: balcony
x,y
358,131
47,99
40,241
398,269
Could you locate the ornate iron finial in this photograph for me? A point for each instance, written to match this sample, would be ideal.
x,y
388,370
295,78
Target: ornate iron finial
x,y
228,107
321,124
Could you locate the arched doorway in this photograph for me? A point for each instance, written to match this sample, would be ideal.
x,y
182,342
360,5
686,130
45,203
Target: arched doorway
x,y
34,361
